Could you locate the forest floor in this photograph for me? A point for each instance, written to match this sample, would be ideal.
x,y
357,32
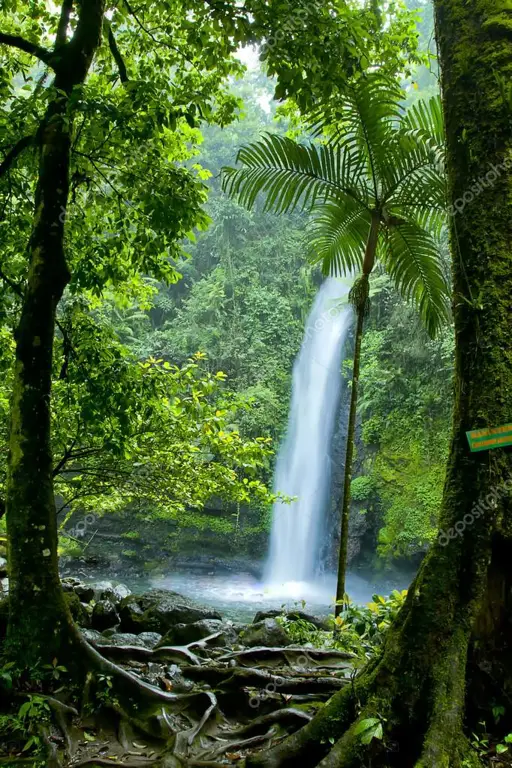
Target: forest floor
x,y
229,689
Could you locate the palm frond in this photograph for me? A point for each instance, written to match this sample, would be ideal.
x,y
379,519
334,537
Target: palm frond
x,y
337,236
424,122
293,175
412,259
364,121
420,195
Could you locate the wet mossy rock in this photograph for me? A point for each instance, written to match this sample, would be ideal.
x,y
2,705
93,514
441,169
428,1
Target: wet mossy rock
x,y
183,634
78,610
316,621
159,611
104,615
267,633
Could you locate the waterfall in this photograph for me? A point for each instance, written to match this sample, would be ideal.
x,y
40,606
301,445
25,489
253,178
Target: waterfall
x,y
303,463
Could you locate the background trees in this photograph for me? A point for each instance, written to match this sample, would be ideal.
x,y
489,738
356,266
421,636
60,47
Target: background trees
x,y
100,80
376,194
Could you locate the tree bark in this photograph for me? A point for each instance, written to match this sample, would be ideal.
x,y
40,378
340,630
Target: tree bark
x,y
457,615
361,305
40,626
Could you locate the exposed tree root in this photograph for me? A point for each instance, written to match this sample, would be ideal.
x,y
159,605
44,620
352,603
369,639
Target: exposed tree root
x,y
281,716
416,689
94,761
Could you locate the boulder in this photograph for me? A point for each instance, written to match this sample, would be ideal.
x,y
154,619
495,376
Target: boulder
x,y
104,615
84,591
78,610
153,596
158,611
317,621
149,639
92,636
183,634
144,640
131,613
166,613
267,633
68,583
120,592
103,590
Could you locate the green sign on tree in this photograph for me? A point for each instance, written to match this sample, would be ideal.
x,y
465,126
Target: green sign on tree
x,y
493,437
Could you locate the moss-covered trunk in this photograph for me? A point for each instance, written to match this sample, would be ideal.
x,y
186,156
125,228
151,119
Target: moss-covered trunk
x,y
39,623
458,606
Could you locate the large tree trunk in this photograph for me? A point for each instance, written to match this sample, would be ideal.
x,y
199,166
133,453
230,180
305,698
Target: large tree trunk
x,y
456,623
39,622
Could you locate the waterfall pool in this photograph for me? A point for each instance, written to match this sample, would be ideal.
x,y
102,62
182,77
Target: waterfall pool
x,y
239,596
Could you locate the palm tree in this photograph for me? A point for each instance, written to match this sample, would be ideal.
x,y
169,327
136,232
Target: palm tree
x,y
376,193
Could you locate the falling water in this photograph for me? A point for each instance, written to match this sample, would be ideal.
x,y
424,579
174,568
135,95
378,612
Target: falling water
x,y
303,464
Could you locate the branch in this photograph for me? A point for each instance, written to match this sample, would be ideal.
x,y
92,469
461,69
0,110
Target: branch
x,y
62,30
116,55
65,458
13,153
13,285
16,41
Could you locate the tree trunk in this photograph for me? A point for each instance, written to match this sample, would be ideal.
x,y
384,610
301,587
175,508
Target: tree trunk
x,y
457,617
40,626
361,307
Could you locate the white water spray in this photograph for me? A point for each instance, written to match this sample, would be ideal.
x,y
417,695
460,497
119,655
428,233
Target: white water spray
x,y
303,463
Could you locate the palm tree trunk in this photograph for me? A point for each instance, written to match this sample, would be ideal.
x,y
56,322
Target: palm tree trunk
x,y
361,304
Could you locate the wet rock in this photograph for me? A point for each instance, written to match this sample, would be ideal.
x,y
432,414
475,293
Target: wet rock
x,y
149,639
153,596
267,633
126,638
78,610
120,592
183,634
84,591
68,583
158,611
93,636
317,621
179,683
131,613
167,612
104,590
104,615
